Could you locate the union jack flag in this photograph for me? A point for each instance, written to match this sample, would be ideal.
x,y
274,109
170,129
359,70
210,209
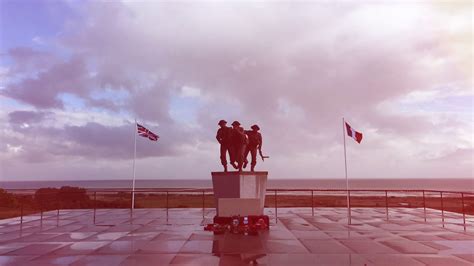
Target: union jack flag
x,y
144,132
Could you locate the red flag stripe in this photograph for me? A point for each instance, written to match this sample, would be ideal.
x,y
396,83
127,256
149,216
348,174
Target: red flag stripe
x,y
357,136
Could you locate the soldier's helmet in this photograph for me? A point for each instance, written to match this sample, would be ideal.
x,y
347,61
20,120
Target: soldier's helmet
x,y
255,127
222,122
236,123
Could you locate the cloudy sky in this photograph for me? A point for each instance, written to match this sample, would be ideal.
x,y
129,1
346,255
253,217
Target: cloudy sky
x,y
74,75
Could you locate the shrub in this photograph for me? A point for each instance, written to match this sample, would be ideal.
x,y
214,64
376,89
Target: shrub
x,y
65,197
7,199
73,197
46,198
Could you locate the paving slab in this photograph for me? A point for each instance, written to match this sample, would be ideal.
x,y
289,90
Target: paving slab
x,y
409,247
284,246
37,249
150,237
326,246
199,247
162,246
80,248
440,260
368,247
392,260
56,259
148,260
15,260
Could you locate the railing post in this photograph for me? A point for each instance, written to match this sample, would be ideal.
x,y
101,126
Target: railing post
x,y
21,211
312,203
41,214
442,207
167,206
203,204
386,204
131,205
463,211
57,205
424,204
95,204
276,208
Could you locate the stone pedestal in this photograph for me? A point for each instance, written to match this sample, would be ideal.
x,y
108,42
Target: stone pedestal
x,y
239,193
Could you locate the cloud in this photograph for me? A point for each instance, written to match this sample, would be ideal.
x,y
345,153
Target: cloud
x,y
27,59
461,156
43,91
92,141
294,69
22,117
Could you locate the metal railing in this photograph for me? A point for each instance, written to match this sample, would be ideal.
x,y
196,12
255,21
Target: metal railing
x,y
357,198
349,205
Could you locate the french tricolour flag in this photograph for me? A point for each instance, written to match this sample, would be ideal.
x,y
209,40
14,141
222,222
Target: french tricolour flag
x,y
357,136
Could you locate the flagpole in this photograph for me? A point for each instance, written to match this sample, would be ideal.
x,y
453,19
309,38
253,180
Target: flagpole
x,y
134,159
345,166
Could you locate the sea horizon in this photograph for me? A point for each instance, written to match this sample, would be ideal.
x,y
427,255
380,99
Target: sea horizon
x,y
445,184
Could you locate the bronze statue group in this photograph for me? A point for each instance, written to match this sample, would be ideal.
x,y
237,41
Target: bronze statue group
x,y
239,143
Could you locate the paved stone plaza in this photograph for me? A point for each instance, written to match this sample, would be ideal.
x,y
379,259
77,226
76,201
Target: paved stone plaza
x,y
297,239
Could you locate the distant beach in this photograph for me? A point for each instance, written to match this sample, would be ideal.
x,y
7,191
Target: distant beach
x,y
452,184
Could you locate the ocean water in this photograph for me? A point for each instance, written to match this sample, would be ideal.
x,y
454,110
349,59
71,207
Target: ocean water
x,y
451,184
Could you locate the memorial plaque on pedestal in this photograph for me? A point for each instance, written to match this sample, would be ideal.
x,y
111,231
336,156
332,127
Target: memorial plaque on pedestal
x,y
243,193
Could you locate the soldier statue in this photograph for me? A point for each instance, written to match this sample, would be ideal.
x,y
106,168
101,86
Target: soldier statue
x,y
224,137
254,144
239,142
